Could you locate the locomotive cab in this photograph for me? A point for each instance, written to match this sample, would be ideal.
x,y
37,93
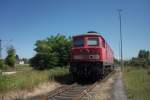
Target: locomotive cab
x,y
86,47
88,56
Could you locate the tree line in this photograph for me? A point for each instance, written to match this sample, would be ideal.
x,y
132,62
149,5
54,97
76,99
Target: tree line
x,y
10,60
50,52
142,59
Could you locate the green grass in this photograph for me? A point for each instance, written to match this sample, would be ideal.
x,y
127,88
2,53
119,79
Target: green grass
x,y
137,83
18,67
23,67
29,78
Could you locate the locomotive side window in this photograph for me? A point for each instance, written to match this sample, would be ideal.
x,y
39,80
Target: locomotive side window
x,y
78,42
103,43
92,42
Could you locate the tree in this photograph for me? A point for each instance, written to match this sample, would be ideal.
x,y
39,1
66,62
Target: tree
x,y
17,59
51,52
139,62
142,60
60,45
11,57
1,64
116,61
25,60
144,54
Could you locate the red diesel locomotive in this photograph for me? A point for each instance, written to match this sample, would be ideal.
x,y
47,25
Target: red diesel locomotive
x,y
91,57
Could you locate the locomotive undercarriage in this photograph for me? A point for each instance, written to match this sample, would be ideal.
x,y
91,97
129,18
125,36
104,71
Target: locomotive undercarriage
x,y
89,71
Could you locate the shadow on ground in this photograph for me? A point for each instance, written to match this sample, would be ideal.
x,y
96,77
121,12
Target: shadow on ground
x,y
64,79
67,79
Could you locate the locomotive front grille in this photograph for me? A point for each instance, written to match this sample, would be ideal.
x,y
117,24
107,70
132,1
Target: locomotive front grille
x,y
81,57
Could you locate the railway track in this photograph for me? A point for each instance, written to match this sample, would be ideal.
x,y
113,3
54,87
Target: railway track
x,y
71,92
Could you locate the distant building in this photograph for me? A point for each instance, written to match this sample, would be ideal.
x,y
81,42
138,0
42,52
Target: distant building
x,y
21,62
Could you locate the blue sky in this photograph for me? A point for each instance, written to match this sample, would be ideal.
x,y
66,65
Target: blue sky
x,y
25,21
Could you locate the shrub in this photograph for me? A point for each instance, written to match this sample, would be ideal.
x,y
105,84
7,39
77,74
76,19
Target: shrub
x,y
51,52
43,61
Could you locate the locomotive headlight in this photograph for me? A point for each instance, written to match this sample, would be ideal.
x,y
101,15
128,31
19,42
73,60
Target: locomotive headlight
x,y
93,56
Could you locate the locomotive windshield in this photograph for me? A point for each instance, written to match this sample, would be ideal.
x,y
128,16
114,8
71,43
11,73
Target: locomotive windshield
x,y
78,42
92,42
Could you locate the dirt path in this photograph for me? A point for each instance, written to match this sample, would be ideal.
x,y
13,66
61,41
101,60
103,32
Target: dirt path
x,y
118,91
101,91
112,89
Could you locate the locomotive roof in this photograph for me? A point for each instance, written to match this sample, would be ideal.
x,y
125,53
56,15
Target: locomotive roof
x,y
91,33
88,34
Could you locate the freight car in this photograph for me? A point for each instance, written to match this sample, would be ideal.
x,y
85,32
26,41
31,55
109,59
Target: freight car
x,y
91,57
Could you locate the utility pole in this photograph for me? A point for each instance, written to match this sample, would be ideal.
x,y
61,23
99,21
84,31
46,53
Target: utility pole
x,y
0,49
121,58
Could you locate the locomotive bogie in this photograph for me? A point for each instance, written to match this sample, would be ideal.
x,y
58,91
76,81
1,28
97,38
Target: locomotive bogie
x,y
89,71
86,70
